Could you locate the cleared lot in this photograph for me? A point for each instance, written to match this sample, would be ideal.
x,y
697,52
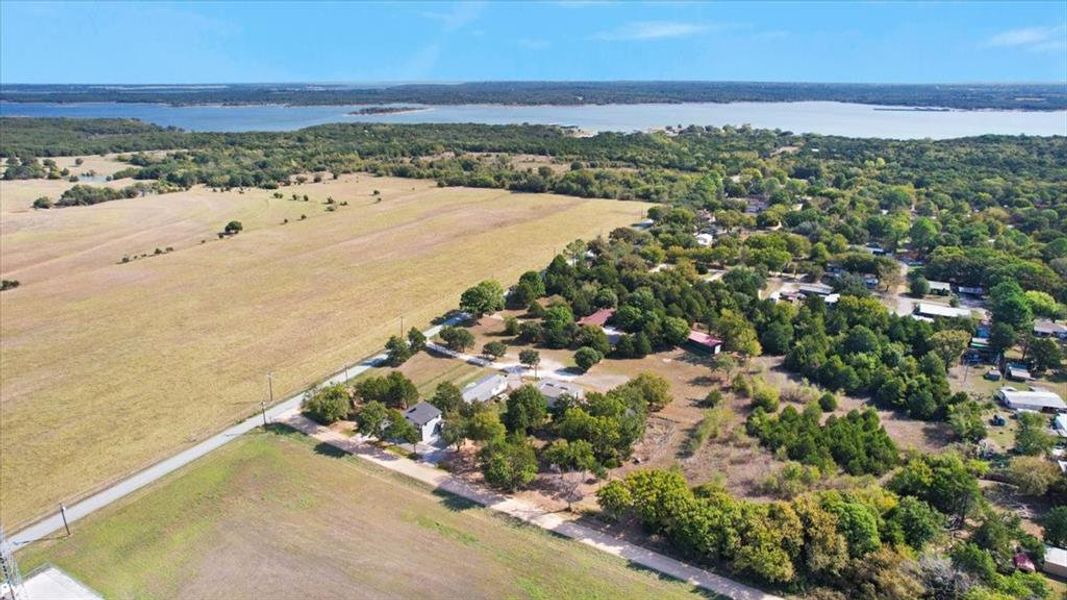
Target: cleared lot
x,y
273,516
108,367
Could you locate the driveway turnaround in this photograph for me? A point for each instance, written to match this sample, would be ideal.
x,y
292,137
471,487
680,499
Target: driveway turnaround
x,y
527,512
54,523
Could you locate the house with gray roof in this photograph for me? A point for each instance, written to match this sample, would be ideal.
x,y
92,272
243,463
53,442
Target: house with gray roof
x,y
554,389
486,388
427,419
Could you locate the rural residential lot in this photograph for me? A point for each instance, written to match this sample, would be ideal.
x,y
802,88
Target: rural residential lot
x,y
109,366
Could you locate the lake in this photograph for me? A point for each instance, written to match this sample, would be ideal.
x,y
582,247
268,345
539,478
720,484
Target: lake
x,y
829,118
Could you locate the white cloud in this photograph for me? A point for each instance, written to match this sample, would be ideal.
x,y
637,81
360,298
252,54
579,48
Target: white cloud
x,y
460,14
534,43
1040,39
651,30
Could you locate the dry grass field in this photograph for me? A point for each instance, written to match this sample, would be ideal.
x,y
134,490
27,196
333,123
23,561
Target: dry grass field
x,y
107,367
274,516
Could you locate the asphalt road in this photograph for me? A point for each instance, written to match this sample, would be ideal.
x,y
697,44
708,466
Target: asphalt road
x,y
54,523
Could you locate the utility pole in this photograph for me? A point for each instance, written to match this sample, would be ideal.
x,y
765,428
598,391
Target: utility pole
x,y
270,391
63,513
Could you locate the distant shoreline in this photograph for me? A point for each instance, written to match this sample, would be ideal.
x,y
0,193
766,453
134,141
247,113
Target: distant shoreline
x,y
388,110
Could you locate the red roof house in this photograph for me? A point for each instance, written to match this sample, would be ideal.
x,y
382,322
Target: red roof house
x,y
705,342
599,318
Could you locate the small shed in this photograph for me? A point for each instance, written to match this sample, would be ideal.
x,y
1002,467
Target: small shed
x,y
941,288
704,342
427,419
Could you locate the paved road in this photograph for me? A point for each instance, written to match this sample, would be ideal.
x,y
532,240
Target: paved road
x,y
54,523
528,512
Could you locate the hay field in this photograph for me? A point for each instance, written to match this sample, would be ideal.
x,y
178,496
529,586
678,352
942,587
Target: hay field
x,y
108,367
273,516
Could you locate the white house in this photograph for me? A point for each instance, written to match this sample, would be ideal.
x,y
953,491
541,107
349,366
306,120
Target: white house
x,y
427,419
1033,399
940,311
554,389
486,388
705,239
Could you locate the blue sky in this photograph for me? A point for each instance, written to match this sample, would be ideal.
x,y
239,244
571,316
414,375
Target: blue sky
x,y
103,42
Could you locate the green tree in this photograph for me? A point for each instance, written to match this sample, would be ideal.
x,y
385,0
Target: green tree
x,y
1055,524
327,405
530,358
495,350
944,481
967,422
397,351
918,286
508,464
400,429
1031,438
485,426
447,398
457,339
738,334
511,325
950,344
486,297
526,409
586,357
654,390
370,418
916,521
572,460
233,227
1045,354
416,340
1033,475
1001,337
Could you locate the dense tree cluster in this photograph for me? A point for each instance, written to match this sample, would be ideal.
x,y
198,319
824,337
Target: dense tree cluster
x,y
856,442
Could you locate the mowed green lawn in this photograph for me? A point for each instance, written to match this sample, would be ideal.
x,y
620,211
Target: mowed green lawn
x,y
272,515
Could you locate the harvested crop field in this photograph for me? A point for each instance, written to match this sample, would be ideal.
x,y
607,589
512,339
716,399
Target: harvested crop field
x,y
107,367
275,516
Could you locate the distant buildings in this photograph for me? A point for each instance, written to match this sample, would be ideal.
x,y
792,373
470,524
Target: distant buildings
x,y
704,342
486,388
1037,400
427,419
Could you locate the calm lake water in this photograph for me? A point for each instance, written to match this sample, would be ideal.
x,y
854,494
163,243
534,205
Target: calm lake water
x,y
830,118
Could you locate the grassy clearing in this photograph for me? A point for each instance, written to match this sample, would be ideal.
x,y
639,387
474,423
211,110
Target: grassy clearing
x,y
274,516
108,367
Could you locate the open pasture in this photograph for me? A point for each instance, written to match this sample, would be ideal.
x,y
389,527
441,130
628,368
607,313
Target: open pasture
x,y
108,367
